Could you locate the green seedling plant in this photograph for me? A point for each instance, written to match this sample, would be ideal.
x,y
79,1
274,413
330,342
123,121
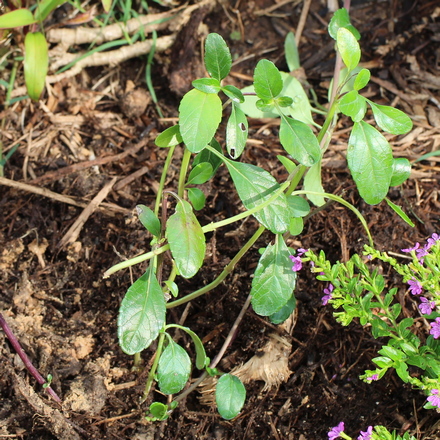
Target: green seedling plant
x,y
279,207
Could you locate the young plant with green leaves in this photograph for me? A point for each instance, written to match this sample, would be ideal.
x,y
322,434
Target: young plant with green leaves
x,y
279,207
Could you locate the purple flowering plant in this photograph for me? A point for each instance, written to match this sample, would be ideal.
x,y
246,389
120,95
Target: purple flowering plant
x,y
358,291
372,433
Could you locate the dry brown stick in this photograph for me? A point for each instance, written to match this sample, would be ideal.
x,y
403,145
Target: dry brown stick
x,y
127,180
53,175
302,21
58,197
72,234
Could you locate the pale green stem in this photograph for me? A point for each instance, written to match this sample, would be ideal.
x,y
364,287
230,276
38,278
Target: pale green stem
x,y
183,170
152,372
163,178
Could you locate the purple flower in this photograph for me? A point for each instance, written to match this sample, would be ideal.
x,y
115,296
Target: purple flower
x,y
367,434
415,287
300,252
431,241
328,294
427,306
412,249
297,263
434,400
373,377
334,433
422,253
435,328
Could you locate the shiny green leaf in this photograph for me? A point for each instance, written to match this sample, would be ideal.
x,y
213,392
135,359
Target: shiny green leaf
x,y
148,219
298,140
186,239
370,159
236,132
36,63
169,137
199,115
218,59
174,369
207,85
200,174
230,395
349,48
267,80
45,7
142,314
274,280
390,119
17,18
354,105
362,79
197,198
401,171
233,93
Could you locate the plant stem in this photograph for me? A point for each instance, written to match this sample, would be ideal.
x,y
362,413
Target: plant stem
x,y
226,271
152,372
163,178
183,170
26,361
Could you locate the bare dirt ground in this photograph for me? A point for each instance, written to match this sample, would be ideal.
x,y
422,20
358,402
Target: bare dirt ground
x,y
89,138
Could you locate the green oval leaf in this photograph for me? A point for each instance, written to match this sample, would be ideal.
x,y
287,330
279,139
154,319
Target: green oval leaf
x,y
218,59
274,280
236,132
267,80
298,140
390,119
354,105
341,19
349,48
186,239
362,79
197,198
169,137
199,117
284,101
159,411
312,182
148,219
288,164
298,206
285,311
142,314
45,7
19,17
233,93
254,186
296,226
174,369
230,395
201,173
291,52
36,63
370,159
401,171
207,85
300,109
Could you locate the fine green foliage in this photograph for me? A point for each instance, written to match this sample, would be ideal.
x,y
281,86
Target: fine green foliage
x,y
142,314
230,395
174,369
274,280
186,239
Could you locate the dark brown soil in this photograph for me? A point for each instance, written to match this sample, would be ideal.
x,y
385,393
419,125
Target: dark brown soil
x,y
64,313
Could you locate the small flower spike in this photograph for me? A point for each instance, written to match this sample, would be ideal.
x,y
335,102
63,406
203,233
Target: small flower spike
x,y
367,434
328,295
415,287
336,431
434,399
435,328
412,249
373,377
